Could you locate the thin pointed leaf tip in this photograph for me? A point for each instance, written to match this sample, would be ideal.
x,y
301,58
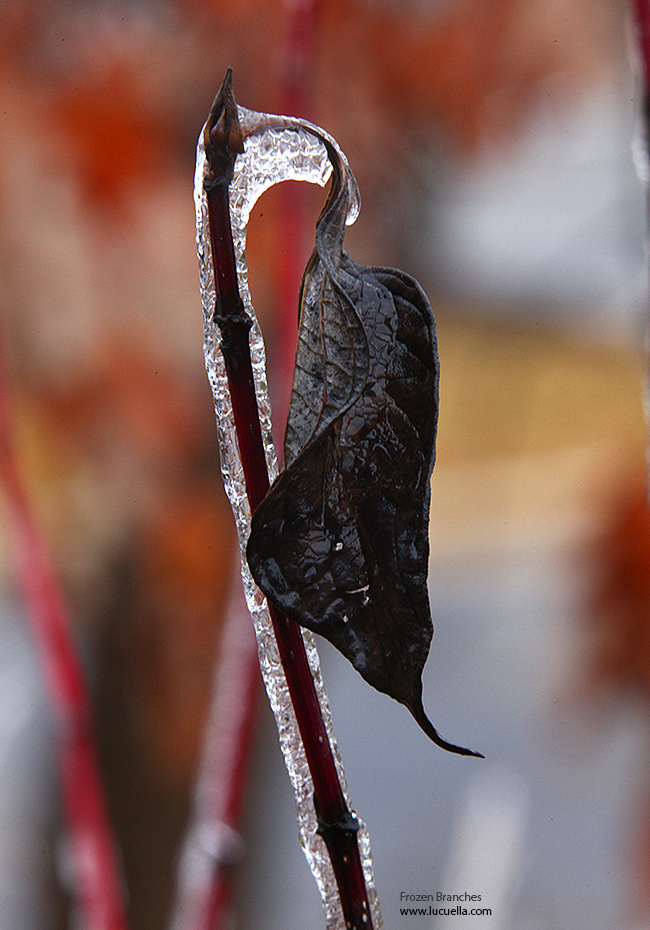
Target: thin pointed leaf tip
x,y
340,543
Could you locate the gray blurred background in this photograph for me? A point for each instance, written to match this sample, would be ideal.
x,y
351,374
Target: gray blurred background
x,y
497,148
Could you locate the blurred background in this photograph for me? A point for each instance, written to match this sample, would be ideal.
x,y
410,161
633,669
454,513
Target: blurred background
x,y
497,150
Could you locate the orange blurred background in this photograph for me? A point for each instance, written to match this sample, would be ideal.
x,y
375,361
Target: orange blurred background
x,y
445,108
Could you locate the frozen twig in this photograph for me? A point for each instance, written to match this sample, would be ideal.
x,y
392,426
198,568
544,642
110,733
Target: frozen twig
x,y
235,362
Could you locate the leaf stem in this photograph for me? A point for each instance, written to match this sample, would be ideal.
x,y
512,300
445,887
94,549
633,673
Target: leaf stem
x,y
337,825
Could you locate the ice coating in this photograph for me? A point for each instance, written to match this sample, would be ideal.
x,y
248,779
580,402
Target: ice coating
x,y
276,149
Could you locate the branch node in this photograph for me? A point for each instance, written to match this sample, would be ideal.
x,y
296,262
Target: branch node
x,y
347,824
232,325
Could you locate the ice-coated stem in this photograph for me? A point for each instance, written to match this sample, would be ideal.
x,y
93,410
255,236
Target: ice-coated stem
x,y
310,753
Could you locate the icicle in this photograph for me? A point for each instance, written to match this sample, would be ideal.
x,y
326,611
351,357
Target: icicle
x,y
276,149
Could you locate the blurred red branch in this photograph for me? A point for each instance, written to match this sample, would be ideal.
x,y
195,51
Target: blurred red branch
x,y
212,844
642,16
96,873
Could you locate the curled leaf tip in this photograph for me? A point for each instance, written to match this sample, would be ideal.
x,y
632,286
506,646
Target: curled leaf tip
x,y
223,139
417,710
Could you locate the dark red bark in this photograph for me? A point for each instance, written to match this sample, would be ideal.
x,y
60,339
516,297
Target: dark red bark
x,y
337,826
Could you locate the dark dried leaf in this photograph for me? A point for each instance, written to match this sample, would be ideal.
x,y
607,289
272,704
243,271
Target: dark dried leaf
x,y
340,543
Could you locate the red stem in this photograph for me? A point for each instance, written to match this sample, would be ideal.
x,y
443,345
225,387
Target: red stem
x,y
642,16
295,94
337,825
224,807
98,885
